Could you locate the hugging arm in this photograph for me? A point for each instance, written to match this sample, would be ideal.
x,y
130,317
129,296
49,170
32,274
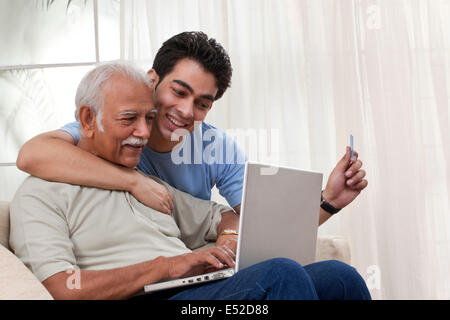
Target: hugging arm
x,y
53,156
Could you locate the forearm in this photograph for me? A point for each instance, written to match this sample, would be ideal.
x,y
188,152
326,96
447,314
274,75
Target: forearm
x,y
55,159
323,216
230,220
119,283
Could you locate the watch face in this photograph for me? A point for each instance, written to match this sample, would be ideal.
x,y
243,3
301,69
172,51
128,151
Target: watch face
x,y
229,232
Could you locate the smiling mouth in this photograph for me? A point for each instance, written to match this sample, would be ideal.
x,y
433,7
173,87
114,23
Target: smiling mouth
x,y
175,122
136,148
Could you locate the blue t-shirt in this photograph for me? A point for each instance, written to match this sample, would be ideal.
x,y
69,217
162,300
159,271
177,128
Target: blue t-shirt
x,y
207,157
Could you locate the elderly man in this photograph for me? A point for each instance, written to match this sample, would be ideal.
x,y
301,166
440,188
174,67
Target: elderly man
x,y
117,243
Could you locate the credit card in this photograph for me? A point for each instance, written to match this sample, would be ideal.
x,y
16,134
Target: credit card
x,y
351,146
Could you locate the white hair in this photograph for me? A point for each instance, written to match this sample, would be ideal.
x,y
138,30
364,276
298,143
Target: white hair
x,y
90,90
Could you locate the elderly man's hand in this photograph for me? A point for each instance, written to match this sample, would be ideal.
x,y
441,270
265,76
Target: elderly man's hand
x,y
229,241
200,261
346,181
152,194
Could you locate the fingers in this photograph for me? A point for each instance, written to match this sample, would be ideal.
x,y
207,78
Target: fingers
x,y
190,264
360,185
217,257
225,255
172,205
200,261
231,244
356,165
229,251
355,175
153,194
357,182
169,203
229,241
166,202
347,159
164,207
213,261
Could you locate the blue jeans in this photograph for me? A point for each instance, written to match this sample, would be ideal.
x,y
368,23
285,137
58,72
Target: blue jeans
x,y
283,279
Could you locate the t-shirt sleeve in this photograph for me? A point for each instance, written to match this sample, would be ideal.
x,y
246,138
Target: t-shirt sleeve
x,y
197,219
231,174
39,233
73,129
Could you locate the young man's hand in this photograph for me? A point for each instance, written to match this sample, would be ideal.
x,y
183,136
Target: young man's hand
x,y
346,181
152,194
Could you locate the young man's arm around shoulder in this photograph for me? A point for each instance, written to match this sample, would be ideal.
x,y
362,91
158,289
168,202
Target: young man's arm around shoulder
x,y
53,156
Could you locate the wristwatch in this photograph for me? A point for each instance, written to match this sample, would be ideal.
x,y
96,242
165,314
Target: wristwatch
x,y
229,232
327,206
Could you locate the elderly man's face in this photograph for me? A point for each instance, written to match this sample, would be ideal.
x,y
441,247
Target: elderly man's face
x,y
127,119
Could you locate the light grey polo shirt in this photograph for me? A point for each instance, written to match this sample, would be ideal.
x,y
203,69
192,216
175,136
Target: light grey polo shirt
x,y
59,226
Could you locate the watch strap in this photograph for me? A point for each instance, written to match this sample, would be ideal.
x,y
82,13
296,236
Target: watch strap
x,y
327,206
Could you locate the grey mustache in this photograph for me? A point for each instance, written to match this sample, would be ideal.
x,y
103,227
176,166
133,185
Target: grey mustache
x,y
135,141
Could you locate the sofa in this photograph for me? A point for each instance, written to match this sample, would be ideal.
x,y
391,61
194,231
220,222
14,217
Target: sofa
x,y
17,282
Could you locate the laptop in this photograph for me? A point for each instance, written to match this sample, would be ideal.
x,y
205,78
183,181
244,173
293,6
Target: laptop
x,y
279,218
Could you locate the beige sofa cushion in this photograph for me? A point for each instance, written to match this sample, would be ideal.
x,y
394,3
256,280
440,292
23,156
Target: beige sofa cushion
x,y
16,281
333,248
4,223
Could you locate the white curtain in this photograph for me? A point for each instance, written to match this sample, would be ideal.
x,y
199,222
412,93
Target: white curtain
x,y
319,70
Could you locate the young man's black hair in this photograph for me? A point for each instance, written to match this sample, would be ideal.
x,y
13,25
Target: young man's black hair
x,y
197,46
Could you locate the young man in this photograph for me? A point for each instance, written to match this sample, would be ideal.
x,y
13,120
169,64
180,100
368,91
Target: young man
x,y
117,245
193,72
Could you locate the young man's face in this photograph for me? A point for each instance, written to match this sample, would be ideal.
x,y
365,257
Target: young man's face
x,y
184,96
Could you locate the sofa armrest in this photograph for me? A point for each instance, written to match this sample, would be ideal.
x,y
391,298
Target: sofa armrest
x,y
333,248
4,224
16,280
